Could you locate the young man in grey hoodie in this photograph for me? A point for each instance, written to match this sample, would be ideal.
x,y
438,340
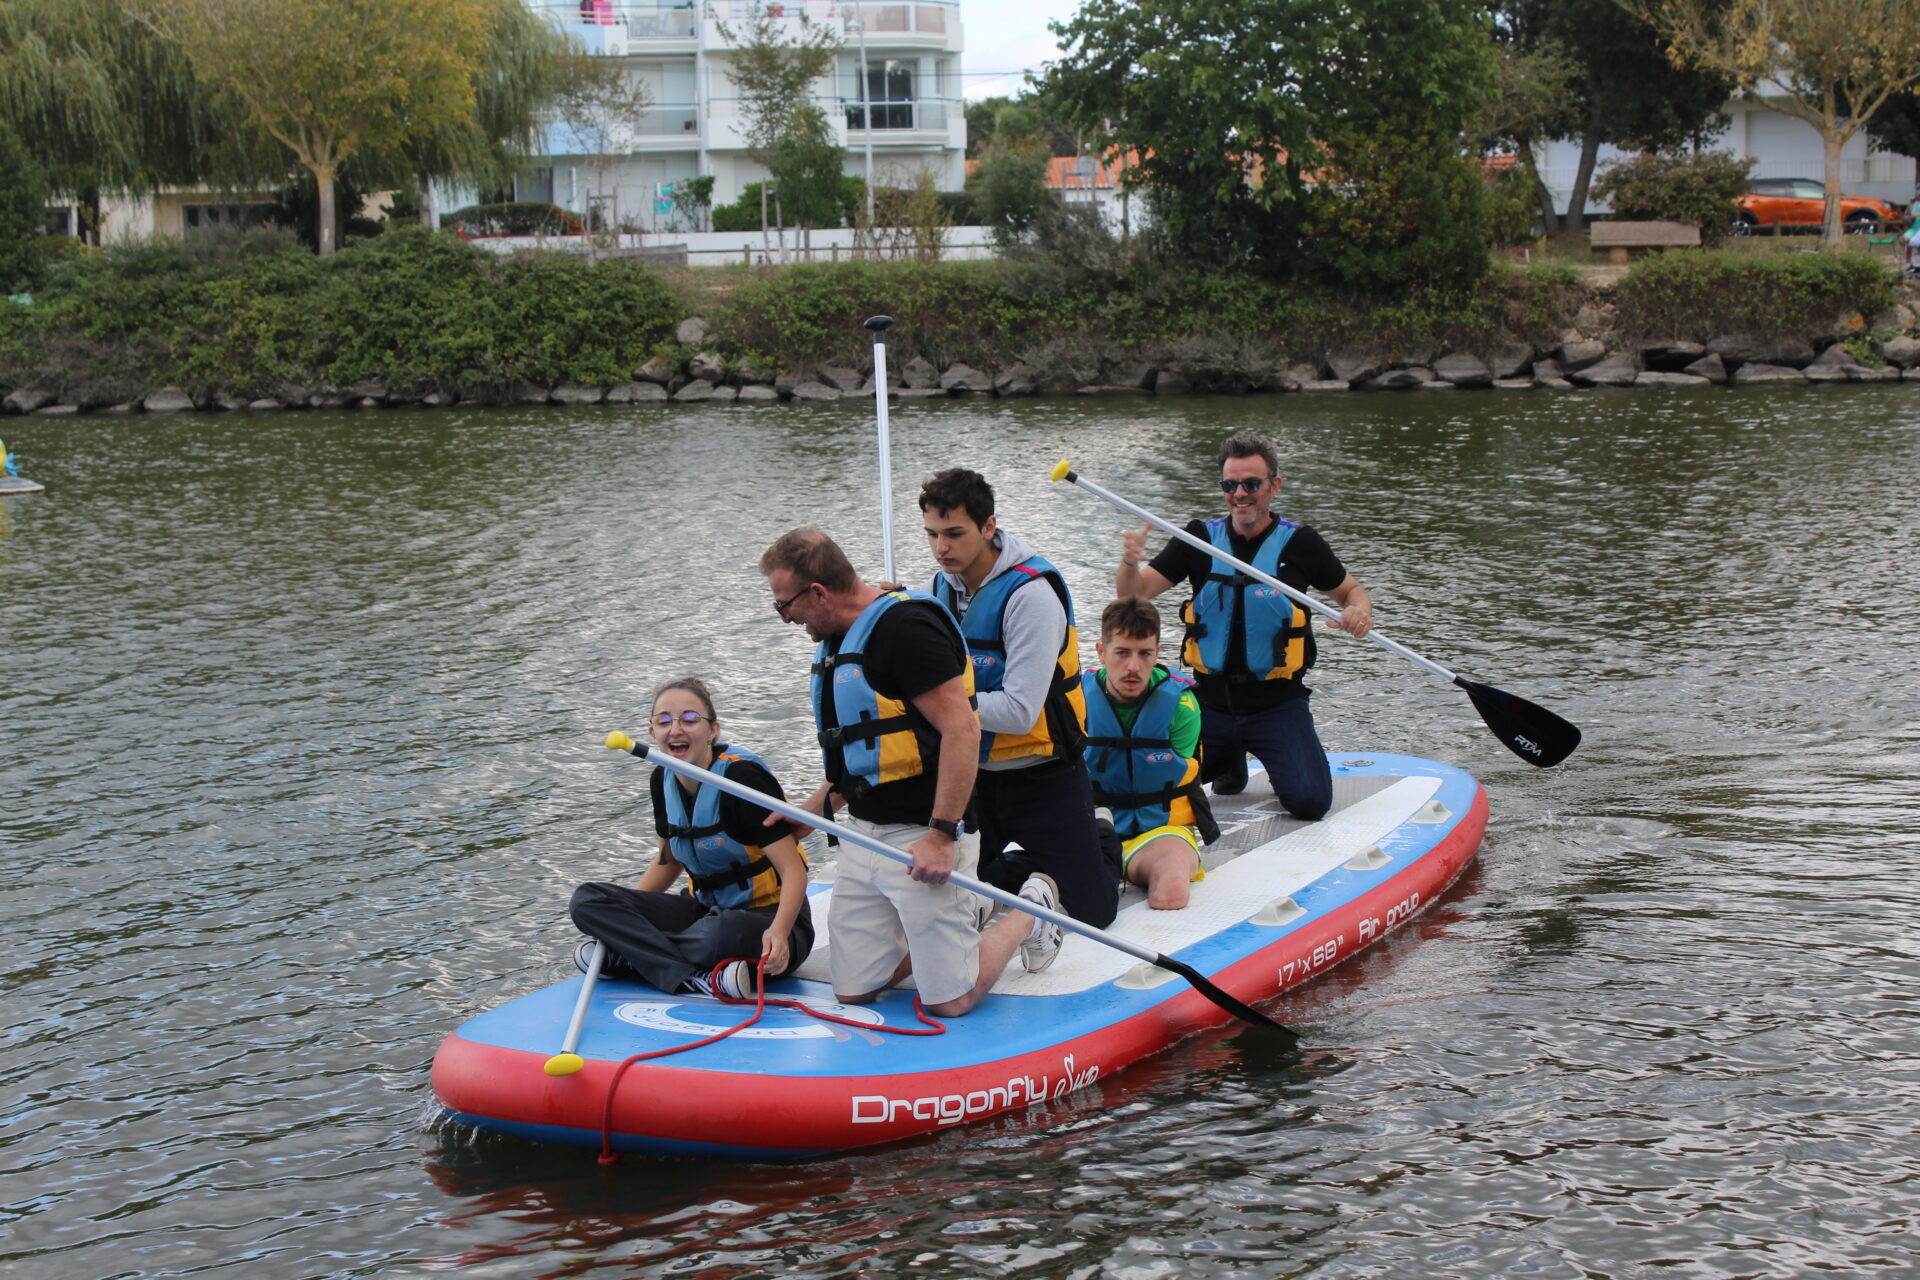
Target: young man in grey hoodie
x,y
1017,618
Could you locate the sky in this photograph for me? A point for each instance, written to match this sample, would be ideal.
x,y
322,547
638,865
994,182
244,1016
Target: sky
x,y
1006,38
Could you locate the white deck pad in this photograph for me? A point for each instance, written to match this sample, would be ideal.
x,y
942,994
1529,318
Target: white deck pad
x,y
1290,856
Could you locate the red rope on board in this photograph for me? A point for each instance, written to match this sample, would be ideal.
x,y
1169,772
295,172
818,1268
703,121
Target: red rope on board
x,y
760,1004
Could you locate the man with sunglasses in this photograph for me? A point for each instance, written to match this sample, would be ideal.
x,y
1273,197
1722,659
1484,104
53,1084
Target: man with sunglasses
x,y
1250,646
900,740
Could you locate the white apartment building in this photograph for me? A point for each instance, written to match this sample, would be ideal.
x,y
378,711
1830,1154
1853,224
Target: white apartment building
x,y
904,116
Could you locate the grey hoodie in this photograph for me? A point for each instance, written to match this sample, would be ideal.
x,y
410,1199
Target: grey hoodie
x,y
1034,627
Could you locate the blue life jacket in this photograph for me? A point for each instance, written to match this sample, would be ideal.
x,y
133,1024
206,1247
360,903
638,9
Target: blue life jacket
x,y
1272,625
725,873
1136,772
870,740
1062,723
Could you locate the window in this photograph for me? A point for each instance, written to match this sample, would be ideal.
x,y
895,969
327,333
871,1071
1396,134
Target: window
x,y
204,219
890,91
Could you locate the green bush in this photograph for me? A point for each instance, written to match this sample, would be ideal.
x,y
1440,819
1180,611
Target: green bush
x,y
1696,190
513,218
744,213
1700,295
250,313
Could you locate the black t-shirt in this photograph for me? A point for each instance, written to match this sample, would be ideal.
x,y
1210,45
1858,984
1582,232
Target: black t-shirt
x,y
739,818
913,647
1305,562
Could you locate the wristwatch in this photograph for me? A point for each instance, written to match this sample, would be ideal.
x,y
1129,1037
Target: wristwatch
x,y
945,826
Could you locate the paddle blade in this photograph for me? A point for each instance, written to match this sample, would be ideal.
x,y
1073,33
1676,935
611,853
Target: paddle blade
x,y
1245,1012
1530,731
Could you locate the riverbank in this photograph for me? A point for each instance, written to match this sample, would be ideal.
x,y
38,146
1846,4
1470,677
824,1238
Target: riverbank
x,y
422,320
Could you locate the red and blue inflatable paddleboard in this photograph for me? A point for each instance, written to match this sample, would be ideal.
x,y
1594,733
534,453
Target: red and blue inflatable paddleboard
x,y
1282,902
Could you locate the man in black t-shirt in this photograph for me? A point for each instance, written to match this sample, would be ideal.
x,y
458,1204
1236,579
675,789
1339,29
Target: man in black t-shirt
x,y
1248,645
900,742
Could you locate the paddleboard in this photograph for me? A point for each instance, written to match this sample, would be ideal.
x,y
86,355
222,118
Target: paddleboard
x,y
1283,901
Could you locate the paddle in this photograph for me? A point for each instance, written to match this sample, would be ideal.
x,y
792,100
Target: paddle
x,y
621,742
1529,730
879,325
566,1062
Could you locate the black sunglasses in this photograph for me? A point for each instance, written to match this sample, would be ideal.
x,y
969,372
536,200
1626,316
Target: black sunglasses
x,y
1250,485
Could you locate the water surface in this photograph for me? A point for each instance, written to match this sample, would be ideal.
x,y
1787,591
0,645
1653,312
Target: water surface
x,y
300,760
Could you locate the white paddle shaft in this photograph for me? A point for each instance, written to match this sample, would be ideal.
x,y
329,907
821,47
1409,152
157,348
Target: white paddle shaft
x,y
886,453
579,1018
885,850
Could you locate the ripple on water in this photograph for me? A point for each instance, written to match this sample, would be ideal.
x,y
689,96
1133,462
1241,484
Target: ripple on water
x,y
303,721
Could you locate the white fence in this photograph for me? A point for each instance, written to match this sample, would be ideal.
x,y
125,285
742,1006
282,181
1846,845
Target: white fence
x,y
727,248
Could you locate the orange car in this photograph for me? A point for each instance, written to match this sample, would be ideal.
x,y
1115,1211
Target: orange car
x,y
1802,203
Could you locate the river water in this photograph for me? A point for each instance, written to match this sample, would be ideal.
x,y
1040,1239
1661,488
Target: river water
x,y
299,749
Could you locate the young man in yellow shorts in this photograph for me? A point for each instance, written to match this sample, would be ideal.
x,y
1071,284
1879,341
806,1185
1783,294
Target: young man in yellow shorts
x,y
1143,744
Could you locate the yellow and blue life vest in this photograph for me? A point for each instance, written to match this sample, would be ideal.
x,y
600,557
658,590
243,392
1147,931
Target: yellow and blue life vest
x,y
1061,725
1272,625
725,873
1136,772
872,739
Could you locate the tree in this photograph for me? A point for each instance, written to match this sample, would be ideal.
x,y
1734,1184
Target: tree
x,y
1896,126
1232,112
807,169
23,214
527,67
1009,181
982,113
1624,91
99,101
775,77
1840,61
600,106
335,79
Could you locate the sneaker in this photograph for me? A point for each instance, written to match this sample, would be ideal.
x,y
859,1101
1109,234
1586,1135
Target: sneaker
x,y
1042,946
1234,780
730,980
583,956
734,980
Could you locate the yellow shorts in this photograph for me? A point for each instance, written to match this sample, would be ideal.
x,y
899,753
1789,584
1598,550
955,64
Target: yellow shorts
x,y
1133,845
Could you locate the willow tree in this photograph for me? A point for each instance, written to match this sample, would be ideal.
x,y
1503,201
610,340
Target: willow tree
x,y
334,79
1839,61
528,67
100,102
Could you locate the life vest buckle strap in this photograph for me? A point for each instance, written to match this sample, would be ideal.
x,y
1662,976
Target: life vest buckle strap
x,y
739,875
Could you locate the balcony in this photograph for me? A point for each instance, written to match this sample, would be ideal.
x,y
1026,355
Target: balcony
x,y
614,28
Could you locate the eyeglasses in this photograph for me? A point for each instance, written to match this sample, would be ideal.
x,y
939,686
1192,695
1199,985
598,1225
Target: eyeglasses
x,y
781,606
666,718
1250,485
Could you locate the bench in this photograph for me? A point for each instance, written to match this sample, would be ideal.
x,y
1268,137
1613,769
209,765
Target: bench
x,y
1620,239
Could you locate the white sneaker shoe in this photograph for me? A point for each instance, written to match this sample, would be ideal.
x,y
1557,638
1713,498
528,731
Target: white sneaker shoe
x,y
730,980
1042,946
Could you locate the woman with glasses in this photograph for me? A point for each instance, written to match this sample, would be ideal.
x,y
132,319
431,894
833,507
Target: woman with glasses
x,y
747,891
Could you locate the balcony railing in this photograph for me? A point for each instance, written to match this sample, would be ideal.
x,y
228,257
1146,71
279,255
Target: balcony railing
x,y
897,113
669,120
606,24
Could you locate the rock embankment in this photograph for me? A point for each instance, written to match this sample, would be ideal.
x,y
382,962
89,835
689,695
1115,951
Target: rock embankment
x,y
1590,353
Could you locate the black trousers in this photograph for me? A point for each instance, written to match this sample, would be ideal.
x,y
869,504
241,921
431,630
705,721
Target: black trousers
x,y
663,939
1047,809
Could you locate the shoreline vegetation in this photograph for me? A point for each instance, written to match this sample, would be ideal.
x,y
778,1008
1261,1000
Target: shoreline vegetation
x,y
254,322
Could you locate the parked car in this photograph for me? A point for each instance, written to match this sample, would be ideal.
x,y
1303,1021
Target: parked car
x,y
1802,203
